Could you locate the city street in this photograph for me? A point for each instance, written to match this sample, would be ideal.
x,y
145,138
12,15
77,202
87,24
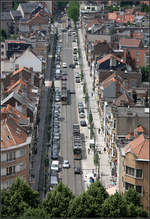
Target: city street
x,y
69,115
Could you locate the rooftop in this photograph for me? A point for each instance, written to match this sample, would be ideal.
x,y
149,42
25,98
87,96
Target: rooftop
x,y
139,147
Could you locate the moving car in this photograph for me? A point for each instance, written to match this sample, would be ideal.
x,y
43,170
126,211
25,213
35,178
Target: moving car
x,y
66,164
64,65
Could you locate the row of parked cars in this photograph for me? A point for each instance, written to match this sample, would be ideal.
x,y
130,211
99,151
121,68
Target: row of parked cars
x,y
81,114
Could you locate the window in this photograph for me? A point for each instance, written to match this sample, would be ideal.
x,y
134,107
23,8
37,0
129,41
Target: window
x,y
139,189
139,173
137,59
129,171
22,152
11,170
128,186
22,166
137,53
11,156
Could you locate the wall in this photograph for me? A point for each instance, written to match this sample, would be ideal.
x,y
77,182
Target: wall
x,y
20,171
130,160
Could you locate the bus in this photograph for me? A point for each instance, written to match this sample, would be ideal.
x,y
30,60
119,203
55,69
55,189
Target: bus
x,y
64,98
77,143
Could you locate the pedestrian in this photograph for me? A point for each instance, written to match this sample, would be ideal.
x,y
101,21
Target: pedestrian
x,y
88,150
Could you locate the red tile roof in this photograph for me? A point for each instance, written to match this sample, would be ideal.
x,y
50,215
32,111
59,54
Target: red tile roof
x,y
107,57
120,19
19,70
129,18
19,82
139,147
112,16
12,133
130,42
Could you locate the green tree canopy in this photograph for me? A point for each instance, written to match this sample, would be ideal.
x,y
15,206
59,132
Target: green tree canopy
x,y
73,10
57,201
3,35
145,73
81,206
114,206
131,196
97,191
18,197
34,213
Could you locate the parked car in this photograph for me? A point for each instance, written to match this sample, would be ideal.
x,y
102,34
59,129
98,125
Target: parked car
x,y
64,73
55,165
77,80
80,104
83,123
82,115
63,78
72,66
54,154
77,170
81,110
66,164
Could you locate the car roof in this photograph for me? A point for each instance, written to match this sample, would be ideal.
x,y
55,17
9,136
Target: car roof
x,y
55,162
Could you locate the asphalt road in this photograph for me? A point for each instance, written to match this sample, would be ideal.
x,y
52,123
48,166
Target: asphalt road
x,y
69,113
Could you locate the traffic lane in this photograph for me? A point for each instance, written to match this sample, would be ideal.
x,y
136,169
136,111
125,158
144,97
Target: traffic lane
x,y
67,149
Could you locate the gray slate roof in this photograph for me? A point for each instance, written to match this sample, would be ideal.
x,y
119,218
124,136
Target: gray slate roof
x,y
5,16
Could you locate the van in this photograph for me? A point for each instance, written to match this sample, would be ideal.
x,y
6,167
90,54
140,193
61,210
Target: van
x,y
55,165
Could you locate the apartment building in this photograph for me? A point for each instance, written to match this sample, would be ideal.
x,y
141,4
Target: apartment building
x,y
15,146
135,168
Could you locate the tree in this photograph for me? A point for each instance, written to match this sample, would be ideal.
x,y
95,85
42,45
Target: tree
x,y
145,73
134,204
73,11
19,197
81,206
131,196
97,191
3,34
57,201
61,4
114,206
144,8
34,212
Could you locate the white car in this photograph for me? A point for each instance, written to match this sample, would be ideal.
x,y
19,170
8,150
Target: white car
x,y
57,66
66,164
55,165
64,65
82,115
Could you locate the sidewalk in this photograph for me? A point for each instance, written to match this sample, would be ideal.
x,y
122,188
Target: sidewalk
x,y
105,170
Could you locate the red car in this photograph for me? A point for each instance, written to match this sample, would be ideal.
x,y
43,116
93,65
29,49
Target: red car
x,y
63,78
